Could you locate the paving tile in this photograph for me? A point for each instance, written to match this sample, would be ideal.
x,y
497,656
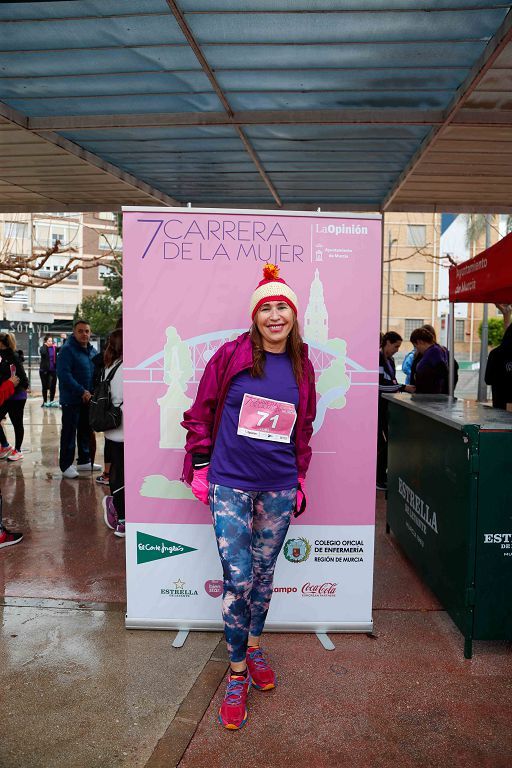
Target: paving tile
x,y
81,691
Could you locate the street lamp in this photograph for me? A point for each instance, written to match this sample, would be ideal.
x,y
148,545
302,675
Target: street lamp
x,y
391,242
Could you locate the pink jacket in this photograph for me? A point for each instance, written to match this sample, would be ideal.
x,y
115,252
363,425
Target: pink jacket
x,y
202,420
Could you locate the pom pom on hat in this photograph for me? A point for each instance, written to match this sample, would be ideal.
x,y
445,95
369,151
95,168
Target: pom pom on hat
x,y
272,288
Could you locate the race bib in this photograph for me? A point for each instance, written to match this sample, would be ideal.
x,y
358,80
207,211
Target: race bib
x,y
265,419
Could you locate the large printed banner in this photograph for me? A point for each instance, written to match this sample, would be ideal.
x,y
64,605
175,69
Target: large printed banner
x,y
188,277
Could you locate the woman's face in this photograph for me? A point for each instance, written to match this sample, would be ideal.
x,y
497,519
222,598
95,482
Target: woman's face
x,y
274,320
391,348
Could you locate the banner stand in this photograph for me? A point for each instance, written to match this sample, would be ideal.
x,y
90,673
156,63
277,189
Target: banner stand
x,y
188,276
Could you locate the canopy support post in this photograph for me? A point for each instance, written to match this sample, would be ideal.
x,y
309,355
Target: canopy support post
x,y
451,350
484,348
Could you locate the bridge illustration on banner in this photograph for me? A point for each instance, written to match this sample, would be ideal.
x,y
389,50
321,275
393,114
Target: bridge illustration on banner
x,y
181,364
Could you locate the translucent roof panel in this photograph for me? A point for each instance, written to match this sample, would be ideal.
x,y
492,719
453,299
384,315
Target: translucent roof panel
x,y
291,103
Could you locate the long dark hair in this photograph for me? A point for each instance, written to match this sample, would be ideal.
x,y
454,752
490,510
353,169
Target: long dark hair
x,y
114,348
294,347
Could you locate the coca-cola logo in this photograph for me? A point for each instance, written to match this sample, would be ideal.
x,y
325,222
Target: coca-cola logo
x,y
214,587
327,589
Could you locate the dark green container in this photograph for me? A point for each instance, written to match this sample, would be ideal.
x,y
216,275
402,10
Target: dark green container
x,y
450,506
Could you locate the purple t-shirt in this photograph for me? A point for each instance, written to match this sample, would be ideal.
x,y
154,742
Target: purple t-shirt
x,y
247,463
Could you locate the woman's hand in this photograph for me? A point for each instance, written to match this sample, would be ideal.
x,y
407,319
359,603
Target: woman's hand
x,y
199,484
15,379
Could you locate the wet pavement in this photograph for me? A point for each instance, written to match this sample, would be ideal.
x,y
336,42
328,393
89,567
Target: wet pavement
x,y
81,691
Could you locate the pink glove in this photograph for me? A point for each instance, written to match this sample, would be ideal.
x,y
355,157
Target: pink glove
x,y
300,504
199,484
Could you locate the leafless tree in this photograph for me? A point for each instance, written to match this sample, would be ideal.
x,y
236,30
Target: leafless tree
x,y
22,271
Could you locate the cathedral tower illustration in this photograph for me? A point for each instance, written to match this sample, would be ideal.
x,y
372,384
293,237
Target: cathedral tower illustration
x,y
316,319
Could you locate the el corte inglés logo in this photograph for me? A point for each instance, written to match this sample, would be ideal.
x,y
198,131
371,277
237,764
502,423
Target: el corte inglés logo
x,y
297,550
155,548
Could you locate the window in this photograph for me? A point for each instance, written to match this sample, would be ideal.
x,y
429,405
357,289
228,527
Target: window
x,y
416,235
20,297
415,282
460,334
42,235
110,242
106,216
105,271
16,229
411,323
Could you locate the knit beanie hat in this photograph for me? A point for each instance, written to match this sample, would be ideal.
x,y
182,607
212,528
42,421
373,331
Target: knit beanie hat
x,y
272,288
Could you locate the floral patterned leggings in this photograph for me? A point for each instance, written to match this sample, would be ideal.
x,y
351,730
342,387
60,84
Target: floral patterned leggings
x,y
250,527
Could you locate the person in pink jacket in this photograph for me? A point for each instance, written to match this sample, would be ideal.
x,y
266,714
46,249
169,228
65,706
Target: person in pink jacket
x,y
8,538
247,455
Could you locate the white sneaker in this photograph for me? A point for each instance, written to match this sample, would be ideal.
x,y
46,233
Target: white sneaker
x,y
88,467
4,452
70,473
15,456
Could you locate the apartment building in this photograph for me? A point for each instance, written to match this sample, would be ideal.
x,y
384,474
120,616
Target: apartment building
x,y
31,312
418,249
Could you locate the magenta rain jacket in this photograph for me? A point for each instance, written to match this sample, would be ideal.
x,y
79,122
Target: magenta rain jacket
x,y
202,420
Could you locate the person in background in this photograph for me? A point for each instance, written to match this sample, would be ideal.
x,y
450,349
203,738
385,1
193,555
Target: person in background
x,y
15,405
417,357
407,363
48,371
7,537
389,346
99,365
74,372
499,372
430,373
113,506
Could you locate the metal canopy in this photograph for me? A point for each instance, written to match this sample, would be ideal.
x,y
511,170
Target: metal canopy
x,y
342,104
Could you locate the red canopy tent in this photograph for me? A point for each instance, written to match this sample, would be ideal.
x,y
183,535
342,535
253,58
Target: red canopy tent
x,y
486,278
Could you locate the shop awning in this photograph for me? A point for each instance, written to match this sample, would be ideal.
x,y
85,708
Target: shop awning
x,y
378,105
486,278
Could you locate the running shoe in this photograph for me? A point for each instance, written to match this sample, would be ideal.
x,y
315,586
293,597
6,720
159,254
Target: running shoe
x,y
120,530
71,473
262,675
4,452
103,479
109,513
233,711
7,538
88,467
15,456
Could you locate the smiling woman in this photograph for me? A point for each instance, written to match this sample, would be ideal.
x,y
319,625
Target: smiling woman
x,y
247,454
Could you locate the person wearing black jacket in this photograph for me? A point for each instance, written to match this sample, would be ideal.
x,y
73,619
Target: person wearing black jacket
x,y
48,371
10,365
499,372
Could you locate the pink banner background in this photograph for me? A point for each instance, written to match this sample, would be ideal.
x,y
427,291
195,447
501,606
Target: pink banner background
x,y
182,270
